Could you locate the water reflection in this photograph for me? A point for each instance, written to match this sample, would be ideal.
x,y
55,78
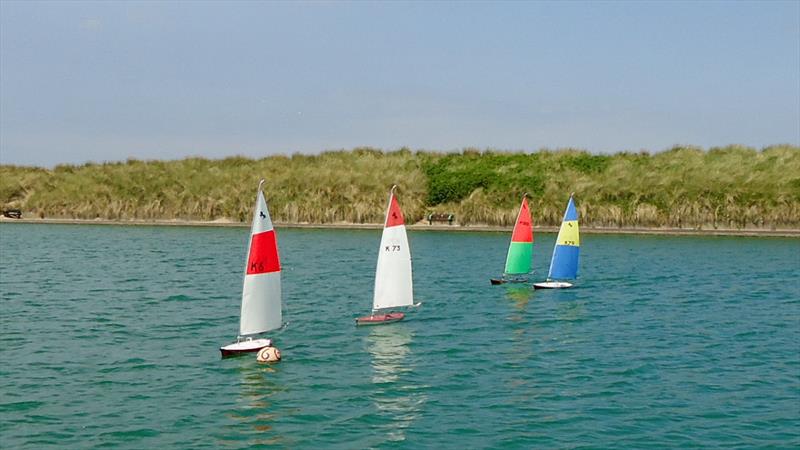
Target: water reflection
x,y
521,341
519,296
254,413
521,354
395,395
573,311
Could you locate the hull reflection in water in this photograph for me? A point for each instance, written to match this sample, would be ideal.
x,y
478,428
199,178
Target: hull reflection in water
x,y
395,395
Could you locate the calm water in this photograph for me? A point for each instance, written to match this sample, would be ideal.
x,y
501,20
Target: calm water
x,y
110,338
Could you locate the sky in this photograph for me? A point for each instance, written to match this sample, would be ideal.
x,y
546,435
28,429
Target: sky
x,y
107,81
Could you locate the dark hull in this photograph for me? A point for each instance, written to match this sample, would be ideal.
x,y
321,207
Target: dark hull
x,y
508,280
227,353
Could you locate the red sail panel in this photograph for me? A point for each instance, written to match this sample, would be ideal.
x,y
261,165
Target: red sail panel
x,y
394,217
523,230
263,254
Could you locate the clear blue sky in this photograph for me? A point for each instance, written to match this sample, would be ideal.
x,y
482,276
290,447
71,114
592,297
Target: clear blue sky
x,y
105,81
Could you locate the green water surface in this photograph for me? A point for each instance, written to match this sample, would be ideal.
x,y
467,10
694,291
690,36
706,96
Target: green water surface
x,y
110,338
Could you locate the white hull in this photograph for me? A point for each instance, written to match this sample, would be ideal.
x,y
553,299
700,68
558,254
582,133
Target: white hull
x,y
552,285
245,346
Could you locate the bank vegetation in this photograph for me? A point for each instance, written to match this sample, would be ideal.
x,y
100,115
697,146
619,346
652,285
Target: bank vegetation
x,y
731,187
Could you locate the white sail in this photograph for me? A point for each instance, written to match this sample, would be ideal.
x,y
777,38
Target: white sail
x,y
261,291
393,283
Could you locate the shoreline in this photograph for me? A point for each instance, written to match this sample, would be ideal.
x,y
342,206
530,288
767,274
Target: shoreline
x,y
423,226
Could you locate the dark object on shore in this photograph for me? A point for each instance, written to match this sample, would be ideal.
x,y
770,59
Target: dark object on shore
x,y
13,213
441,217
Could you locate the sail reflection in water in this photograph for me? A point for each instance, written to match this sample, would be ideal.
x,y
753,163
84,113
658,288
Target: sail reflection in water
x,y
254,416
519,297
395,396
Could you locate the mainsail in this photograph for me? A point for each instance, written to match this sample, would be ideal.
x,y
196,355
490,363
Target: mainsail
x,y
393,283
518,260
261,292
564,264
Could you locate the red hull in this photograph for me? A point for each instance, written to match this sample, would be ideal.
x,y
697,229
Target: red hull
x,y
380,318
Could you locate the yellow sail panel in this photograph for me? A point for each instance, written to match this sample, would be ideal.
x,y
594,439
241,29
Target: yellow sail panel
x,y
568,234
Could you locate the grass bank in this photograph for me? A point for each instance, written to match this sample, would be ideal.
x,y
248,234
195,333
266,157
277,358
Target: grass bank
x,y
684,187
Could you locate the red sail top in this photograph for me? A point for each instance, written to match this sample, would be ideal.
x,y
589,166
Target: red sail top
x,y
394,217
523,230
263,256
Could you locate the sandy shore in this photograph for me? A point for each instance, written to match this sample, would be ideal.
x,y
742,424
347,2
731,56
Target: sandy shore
x,y
422,225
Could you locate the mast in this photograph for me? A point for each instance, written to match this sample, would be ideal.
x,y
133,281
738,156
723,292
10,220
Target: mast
x,y
261,288
564,264
518,259
393,280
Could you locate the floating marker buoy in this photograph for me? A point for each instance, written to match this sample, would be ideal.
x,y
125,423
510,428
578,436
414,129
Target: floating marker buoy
x,y
268,354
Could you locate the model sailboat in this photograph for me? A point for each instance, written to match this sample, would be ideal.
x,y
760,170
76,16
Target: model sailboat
x,y
393,283
564,265
261,290
518,260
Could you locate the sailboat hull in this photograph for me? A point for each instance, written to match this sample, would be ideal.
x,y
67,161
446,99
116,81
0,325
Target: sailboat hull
x,y
380,319
508,280
552,285
242,347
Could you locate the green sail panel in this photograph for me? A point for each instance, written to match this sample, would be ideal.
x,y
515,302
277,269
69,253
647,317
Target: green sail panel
x,y
518,260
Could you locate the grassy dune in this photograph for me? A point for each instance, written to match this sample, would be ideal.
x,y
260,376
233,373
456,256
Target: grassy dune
x,y
730,187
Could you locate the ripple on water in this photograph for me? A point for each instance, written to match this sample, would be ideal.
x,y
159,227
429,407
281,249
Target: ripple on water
x,y
651,349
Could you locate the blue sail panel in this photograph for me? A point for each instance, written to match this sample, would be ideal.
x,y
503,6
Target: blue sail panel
x,y
564,265
571,213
